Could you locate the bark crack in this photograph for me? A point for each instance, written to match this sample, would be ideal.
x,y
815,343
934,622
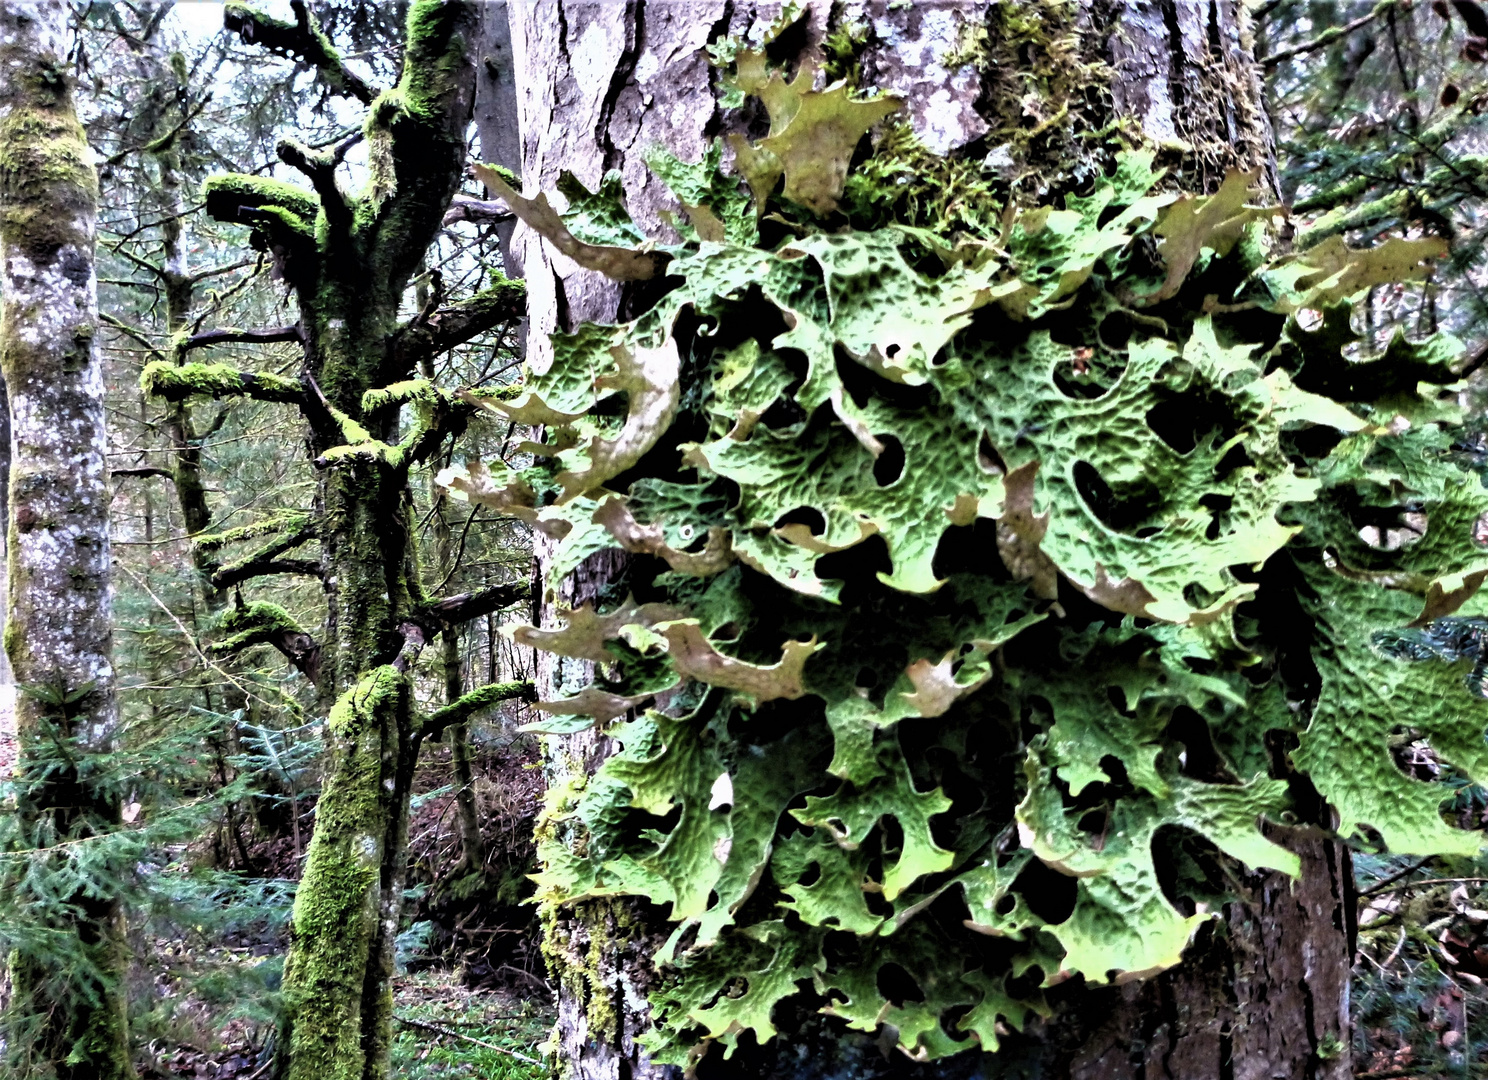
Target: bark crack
x,y
621,78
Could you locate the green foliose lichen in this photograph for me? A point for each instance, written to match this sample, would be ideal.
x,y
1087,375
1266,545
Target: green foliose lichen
x,y
961,555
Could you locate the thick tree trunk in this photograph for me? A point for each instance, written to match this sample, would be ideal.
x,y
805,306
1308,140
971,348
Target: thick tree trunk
x,y
1263,994
58,625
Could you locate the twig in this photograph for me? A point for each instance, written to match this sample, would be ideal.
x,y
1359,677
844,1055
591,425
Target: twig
x,y
437,1030
1383,885
1327,37
1434,881
191,639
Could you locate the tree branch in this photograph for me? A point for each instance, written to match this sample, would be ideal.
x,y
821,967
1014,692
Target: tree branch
x,y
132,332
177,382
453,610
143,471
266,560
457,712
429,335
1327,37
227,335
478,211
301,40
240,572
321,170
261,623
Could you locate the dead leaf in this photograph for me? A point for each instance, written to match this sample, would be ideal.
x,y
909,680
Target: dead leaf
x,y
616,263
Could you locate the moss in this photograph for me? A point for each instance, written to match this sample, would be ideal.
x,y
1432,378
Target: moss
x,y
175,382
259,191
253,624
48,186
282,521
336,906
479,700
906,183
842,48
399,393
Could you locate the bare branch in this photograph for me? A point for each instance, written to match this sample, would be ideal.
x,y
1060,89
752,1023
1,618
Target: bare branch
x,y
453,610
1327,37
478,211
429,335
228,335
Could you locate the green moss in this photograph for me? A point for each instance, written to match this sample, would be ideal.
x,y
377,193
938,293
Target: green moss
x,y
282,521
476,701
175,382
906,183
226,192
252,624
47,182
336,906
400,393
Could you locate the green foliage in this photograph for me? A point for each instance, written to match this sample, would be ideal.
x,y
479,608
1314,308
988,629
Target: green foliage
x,y
1023,554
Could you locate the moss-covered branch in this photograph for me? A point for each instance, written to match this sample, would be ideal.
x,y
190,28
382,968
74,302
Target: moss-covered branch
x,y
176,382
266,560
280,521
262,623
282,217
301,40
462,709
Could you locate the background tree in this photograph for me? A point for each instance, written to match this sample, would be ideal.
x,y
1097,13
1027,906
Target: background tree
x,y
59,621
349,259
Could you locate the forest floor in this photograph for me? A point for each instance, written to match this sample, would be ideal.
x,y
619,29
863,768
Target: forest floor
x,y
448,1030
443,1030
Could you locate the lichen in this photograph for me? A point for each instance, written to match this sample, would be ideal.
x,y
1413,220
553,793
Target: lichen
x,y
1112,394
47,180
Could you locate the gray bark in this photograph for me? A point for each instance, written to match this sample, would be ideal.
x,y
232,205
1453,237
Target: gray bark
x,y
597,85
59,615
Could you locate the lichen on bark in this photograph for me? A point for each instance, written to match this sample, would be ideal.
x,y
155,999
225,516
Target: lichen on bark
x,y
58,626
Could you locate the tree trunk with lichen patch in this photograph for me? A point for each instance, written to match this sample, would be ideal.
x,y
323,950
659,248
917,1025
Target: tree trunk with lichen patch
x,y
58,623
1039,93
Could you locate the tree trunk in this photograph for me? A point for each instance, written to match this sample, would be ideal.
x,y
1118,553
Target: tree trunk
x,y
58,625
350,257
1265,992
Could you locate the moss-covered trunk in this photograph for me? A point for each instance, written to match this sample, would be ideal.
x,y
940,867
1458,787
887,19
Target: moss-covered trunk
x,y
70,1023
1038,92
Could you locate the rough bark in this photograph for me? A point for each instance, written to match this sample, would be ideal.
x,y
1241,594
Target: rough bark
x,y
58,620
1265,993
